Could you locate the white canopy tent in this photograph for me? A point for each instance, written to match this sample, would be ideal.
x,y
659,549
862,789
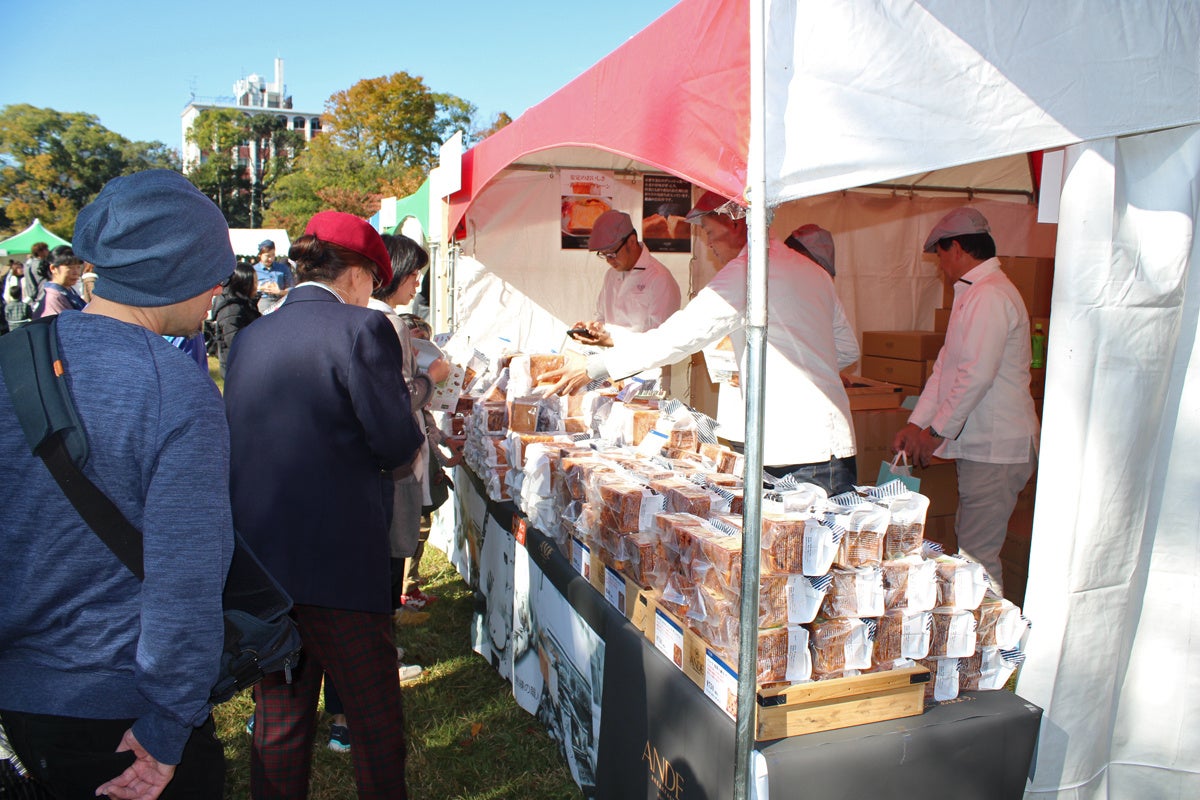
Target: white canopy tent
x,y
945,93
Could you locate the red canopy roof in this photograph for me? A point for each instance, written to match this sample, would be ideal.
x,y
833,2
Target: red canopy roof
x,y
674,97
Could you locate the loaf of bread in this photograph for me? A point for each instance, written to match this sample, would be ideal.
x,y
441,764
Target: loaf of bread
x,y
854,593
903,539
838,645
999,623
953,634
621,505
910,584
680,496
541,363
961,582
783,543
783,655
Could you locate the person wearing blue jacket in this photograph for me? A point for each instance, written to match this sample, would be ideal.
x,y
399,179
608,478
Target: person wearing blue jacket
x,y
105,679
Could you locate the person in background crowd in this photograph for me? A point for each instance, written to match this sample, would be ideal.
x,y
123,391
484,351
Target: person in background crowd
x,y
16,311
36,271
807,423
235,309
16,271
320,424
104,679
638,292
813,241
87,279
274,277
58,293
976,407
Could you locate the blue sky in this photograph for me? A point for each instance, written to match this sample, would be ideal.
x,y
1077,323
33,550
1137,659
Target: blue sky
x,y
135,65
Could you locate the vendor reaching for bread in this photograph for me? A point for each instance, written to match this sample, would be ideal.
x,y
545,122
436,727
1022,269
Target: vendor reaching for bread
x,y
807,412
638,293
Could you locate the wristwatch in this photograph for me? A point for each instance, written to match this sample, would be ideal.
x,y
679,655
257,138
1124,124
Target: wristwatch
x,y
934,433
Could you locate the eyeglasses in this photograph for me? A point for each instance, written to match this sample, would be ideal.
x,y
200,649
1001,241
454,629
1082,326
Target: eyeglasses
x,y
609,255
376,280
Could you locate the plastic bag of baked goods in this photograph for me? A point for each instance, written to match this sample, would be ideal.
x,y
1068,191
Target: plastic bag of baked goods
x,y
990,668
822,537
783,655
910,583
854,593
782,542
943,678
840,644
865,526
627,506
902,635
805,595
961,582
953,633
797,496
1000,623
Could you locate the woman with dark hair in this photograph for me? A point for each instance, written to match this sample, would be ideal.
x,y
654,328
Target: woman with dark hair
x,y
56,294
235,309
320,425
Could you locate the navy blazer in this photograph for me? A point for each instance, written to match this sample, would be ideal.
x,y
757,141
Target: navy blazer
x,y
319,415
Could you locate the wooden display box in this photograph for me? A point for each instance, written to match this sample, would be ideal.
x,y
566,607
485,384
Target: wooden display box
x,y
840,703
866,394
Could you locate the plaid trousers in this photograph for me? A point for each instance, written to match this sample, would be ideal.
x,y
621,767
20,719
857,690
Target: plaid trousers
x,y
357,650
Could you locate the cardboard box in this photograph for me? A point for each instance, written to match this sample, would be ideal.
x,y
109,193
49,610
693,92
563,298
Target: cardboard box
x,y
1037,382
939,482
909,345
941,319
896,370
1034,279
940,528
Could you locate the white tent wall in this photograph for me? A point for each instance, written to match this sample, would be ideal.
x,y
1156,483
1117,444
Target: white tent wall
x,y
1114,589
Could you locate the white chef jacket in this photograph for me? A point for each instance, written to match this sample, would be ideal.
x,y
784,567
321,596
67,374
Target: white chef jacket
x,y
807,413
639,299
978,394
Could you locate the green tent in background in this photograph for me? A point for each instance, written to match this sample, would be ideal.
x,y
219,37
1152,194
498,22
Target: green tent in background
x,y
415,205
24,241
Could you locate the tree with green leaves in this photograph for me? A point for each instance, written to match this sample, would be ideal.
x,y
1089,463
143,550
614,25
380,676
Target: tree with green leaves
x,y
381,138
52,164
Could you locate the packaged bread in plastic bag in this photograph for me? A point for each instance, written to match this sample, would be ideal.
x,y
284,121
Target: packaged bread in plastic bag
x,y
961,582
840,644
628,507
902,635
854,593
1000,623
990,668
782,542
943,678
783,655
910,583
906,526
953,633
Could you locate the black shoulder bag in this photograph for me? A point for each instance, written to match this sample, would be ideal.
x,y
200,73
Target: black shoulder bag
x,y
260,637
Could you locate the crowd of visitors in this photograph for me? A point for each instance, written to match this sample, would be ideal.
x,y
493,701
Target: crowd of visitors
x,y
320,454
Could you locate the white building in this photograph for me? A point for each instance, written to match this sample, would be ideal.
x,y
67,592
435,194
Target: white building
x,y
252,95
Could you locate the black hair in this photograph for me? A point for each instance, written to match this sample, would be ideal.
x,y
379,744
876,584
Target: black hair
x,y
979,246
316,260
407,257
243,282
415,322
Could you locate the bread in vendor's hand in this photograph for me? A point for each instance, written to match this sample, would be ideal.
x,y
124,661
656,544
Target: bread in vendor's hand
x,y
571,378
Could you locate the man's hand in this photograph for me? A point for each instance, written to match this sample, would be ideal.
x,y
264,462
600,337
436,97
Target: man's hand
x,y
144,780
917,442
596,334
439,370
571,378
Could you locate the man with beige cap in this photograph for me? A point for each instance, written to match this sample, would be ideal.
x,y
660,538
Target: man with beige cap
x,y
976,407
638,293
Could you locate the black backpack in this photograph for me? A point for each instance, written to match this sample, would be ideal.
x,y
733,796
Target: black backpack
x,y
260,636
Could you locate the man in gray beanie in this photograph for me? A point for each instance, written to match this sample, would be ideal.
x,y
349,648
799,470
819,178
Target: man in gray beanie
x,y
104,679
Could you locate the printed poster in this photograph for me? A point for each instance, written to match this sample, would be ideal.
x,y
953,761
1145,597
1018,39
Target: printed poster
x,y
666,200
586,194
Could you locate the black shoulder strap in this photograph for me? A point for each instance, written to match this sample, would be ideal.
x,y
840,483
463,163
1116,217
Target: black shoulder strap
x,y
37,385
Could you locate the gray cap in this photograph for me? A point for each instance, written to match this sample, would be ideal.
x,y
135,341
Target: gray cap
x,y
815,242
959,222
609,230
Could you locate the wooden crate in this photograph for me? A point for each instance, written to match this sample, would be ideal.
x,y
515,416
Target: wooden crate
x,y
867,393
840,703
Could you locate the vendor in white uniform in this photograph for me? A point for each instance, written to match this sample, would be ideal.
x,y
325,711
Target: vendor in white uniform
x,y
976,407
808,429
638,293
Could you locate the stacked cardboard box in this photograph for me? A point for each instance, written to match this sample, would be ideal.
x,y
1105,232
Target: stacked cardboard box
x,y
902,357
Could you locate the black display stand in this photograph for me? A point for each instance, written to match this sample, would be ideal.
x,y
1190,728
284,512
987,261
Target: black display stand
x,y
662,739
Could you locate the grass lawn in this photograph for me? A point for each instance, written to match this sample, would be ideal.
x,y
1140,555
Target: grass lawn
x,y
467,738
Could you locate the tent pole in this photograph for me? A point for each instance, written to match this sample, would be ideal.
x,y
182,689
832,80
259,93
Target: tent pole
x,y
756,335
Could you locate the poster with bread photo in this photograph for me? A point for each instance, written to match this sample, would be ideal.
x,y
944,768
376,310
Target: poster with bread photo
x,y
665,201
586,194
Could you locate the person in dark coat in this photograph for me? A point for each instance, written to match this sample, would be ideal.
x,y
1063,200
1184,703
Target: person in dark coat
x,y
236,308
320,425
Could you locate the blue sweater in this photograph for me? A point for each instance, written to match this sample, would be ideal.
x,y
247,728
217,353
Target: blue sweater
x,y
80,636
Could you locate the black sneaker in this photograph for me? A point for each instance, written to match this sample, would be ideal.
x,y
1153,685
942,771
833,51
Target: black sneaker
x,y
339,738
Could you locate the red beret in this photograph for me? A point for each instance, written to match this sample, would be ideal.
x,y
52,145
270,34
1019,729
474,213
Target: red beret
x,y
352,233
